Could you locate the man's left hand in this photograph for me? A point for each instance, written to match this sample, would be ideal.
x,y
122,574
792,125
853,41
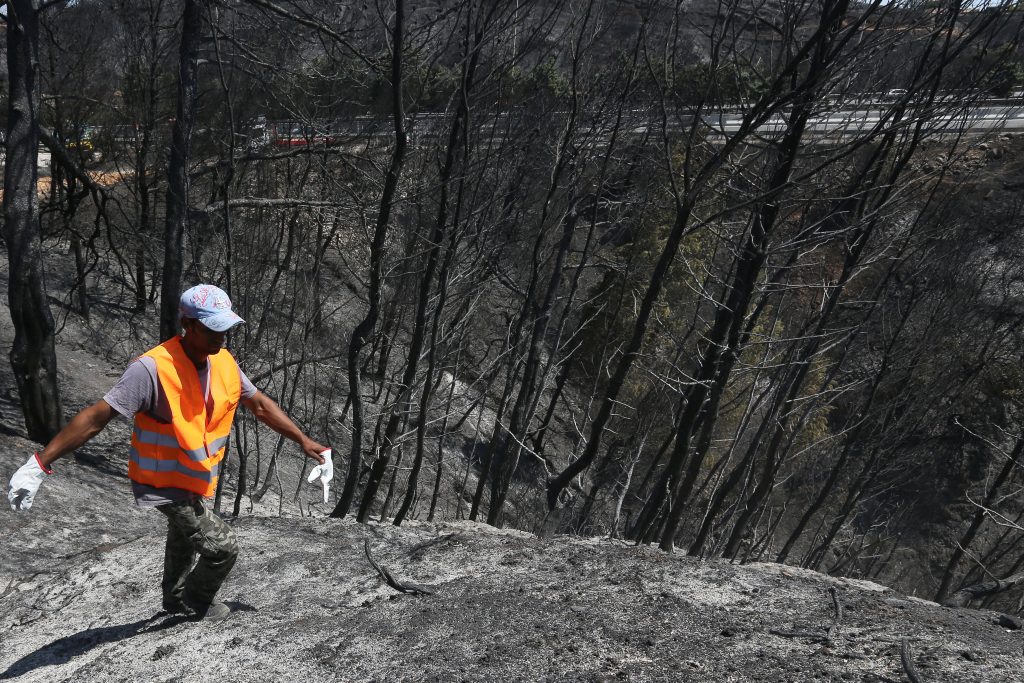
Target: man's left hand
x,y
324,472
313,450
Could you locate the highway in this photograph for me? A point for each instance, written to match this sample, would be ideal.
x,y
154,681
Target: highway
x,y
843,123
856,122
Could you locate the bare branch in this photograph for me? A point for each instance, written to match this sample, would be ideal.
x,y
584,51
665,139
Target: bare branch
x,y
390,580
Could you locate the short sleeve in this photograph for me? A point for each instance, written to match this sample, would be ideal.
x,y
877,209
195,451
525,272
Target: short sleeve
x,y
248,388
133,393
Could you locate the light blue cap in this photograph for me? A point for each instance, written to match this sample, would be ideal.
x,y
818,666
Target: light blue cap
x,y
209,305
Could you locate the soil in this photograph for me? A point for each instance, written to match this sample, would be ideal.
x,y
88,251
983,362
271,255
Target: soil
x,y
80,584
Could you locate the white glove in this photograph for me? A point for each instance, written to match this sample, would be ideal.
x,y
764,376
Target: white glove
x,y
325,472
25,483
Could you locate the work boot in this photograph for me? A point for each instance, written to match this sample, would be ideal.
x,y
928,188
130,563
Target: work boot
x,y
177,606
214,611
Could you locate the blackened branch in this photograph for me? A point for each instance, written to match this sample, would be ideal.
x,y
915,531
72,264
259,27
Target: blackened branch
x,y
390,580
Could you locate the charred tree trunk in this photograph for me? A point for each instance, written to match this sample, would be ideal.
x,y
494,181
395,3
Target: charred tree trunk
x,y
81,272
549,414
362,333
492,446
986,588
816,556
455,141
177,167
32,355
142,187
851,447
521,412
979,518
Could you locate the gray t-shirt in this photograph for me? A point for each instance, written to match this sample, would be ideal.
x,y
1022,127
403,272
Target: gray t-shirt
x,y
139,391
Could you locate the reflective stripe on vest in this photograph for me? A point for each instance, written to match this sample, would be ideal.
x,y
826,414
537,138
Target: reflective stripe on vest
x,y
186,452
157,465
169,440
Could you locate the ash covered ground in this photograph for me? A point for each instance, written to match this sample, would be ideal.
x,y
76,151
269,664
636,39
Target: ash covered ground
x,y
80,573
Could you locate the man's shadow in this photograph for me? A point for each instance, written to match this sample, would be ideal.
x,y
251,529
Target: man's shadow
x,y
65,649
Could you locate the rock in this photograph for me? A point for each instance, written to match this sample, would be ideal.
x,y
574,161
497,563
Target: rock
x,y
728,632
970,656
162,652
1010,622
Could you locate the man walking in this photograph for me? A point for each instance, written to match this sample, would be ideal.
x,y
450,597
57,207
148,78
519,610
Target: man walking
x,y
182,396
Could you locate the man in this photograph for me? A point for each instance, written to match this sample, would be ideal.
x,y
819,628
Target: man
x,y
182,396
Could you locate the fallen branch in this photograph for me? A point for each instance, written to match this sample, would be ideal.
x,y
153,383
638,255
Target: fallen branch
x,y
985,588
103,547
907,658
399,586
817,637
419,548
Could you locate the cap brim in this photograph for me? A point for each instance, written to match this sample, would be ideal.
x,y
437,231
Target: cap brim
x,y
221,322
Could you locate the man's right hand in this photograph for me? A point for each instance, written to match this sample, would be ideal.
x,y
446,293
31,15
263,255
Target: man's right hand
x,y
25,483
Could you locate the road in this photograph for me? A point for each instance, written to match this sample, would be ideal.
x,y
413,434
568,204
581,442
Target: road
x,y
850,122
856,122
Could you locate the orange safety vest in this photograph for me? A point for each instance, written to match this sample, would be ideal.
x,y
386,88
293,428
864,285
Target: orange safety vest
x,y
186,453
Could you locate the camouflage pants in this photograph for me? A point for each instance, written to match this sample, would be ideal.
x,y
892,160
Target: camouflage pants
x,y
192,530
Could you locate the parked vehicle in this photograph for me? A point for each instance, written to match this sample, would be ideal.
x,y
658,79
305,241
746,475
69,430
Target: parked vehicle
x,y
79,139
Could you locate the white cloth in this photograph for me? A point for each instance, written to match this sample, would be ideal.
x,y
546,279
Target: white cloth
x,y
324,472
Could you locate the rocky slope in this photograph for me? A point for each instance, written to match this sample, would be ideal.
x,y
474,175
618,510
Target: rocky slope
x,y
79,600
